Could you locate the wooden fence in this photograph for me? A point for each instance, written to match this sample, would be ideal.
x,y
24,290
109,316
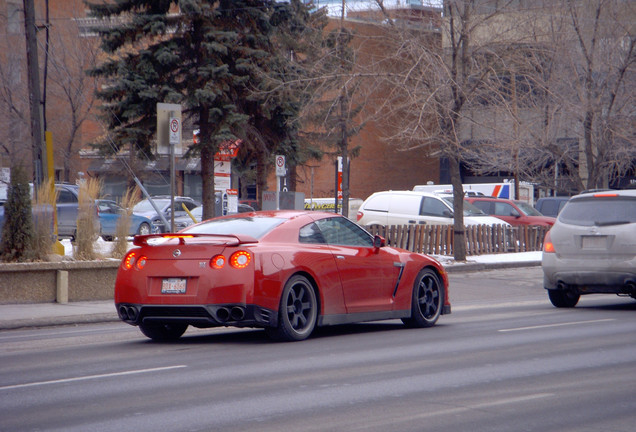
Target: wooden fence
x,y
480,239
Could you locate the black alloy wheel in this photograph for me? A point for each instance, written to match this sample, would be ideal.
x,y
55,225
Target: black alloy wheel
x,y
427,301
298,311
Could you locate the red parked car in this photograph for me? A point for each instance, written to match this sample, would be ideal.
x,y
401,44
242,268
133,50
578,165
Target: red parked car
x,y
514,212
284,271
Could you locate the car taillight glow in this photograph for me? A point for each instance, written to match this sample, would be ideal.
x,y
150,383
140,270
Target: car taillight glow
x,y
217,262
548,246
141,262
129,260
240,259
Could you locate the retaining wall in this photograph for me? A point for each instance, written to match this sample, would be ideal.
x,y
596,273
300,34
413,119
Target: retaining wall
x,y
61,282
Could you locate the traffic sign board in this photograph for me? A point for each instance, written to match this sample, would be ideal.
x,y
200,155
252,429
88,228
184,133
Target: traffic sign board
x,y
280,166
175,131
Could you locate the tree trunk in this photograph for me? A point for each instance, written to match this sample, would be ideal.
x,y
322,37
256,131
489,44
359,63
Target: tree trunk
x,y
459,243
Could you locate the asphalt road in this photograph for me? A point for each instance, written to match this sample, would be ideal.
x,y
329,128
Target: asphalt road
x,y
504,360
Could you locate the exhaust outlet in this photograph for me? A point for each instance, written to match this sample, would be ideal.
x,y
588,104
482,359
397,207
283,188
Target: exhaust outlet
x,y
132,313
237,313
561,286
222,314
123,312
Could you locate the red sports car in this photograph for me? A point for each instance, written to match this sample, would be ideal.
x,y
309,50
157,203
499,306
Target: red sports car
x,y
285,271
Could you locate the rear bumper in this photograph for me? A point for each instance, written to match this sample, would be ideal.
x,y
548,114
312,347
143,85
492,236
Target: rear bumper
x,y
201,316
589,276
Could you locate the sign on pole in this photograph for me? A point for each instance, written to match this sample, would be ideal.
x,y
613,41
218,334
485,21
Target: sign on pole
x,y
280,166
175,131
165,114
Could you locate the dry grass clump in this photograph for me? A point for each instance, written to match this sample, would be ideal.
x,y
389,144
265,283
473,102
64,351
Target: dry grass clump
x,y
87,220
128,201
44,219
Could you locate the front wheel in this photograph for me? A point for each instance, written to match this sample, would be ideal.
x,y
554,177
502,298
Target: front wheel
x,y
563,298
163,332
427,300
297,312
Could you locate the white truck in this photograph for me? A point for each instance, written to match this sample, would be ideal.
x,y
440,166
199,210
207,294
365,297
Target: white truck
x,y
498,190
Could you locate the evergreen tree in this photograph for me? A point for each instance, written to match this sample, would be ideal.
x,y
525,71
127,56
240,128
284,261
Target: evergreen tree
x,y
209,56
17,231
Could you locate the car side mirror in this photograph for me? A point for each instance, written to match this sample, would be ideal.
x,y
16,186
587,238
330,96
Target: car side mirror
x,y
378,242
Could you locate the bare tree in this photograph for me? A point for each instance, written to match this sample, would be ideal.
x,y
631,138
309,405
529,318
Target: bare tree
x,y
435,80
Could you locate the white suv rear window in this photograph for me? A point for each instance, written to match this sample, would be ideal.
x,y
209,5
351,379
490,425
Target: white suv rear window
x,y
599,211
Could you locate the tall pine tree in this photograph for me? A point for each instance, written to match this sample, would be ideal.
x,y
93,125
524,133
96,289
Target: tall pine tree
x,y
209,56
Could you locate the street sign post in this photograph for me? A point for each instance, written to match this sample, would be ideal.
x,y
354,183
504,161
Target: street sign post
x,y
280,172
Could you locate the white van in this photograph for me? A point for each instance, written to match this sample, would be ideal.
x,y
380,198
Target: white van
x,y
414,207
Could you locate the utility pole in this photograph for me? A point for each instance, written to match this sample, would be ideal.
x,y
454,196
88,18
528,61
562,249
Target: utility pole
x,y
344,140
37,131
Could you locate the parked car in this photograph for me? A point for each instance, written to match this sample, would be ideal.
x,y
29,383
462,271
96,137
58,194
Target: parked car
x,y
592,248
550,206
286,271
145,208
414,207
514,212
67,206
109,214
182,222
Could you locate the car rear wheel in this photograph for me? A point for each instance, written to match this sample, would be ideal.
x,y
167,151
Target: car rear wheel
x,y
298,311
144,229
163,332
427,300
563,298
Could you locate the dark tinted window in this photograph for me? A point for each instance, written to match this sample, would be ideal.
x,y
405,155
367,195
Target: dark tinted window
x,y
599,211
434,207
65,196
255,227
341,231
483,206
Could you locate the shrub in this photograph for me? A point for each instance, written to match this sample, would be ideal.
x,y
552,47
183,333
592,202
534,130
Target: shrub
x,y
128,201
44,220
17,232
87,220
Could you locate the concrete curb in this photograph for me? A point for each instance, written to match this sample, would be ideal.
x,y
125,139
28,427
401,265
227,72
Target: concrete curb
x,y
59,321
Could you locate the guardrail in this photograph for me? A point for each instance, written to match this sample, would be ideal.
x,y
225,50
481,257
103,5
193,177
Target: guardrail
x,y
480,239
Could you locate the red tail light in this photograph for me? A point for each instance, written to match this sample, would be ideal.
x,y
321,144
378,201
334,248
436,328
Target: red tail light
x,y
129,260
217,262
548,246
240,259
141,262
359,215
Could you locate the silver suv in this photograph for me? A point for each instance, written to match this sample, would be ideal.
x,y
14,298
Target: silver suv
x,y
591,248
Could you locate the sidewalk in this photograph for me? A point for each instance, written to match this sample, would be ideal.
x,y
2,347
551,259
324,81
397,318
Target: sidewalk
x,y
16,316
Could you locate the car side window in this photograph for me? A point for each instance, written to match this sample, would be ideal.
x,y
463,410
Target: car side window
x,y
483,206
433,207
311,234
341,231
65,196
504,209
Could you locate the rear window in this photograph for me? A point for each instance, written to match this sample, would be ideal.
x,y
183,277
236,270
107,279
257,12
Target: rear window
x,y
255,227
378,203
599,211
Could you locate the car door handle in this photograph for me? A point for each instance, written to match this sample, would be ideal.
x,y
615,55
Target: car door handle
x,y
340,257
412,221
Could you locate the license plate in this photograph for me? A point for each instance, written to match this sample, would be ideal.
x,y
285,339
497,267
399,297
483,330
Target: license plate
x,y
594,242
173,286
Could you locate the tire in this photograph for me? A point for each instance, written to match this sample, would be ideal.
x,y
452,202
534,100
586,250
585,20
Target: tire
x,y
144,229
163,332
297,312
427,300
563,298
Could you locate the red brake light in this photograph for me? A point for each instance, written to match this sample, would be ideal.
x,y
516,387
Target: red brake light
x,y
141,262
605,195
129,260
359,215
240,259
217,262
548,246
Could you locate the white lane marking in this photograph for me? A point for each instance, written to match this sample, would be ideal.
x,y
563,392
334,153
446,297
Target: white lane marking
x,y
91,377
555,325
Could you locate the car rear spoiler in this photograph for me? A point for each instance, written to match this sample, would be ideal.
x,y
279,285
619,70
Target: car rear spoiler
x,y
228,239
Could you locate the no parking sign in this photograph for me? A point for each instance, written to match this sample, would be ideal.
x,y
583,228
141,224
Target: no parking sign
x,y
280,166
